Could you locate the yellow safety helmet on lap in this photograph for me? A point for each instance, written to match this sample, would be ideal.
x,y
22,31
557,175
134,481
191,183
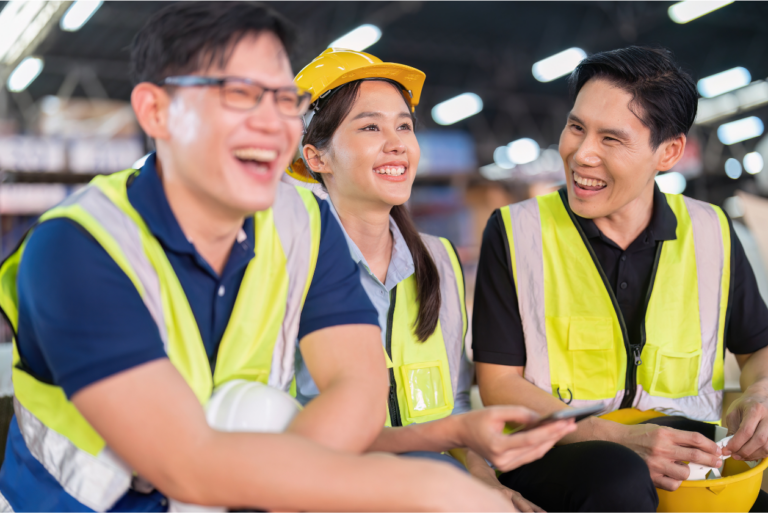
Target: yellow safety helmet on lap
x,y
337,66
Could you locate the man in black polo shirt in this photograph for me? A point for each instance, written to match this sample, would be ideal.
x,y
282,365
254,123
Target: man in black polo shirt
x,y
610,291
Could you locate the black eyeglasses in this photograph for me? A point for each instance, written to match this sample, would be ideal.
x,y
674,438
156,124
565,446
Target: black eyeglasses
x,y
245,94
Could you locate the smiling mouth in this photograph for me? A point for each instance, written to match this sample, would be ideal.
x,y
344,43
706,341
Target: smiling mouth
x,y
258,159
588,184
390,170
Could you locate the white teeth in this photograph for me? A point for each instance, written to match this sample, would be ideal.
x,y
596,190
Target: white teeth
x,y
257,154
588,182
390,170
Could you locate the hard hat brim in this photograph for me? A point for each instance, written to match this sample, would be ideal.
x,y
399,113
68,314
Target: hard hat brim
x,y
410,78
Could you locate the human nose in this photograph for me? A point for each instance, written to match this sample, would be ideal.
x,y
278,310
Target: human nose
x,y
587,154
265,117
394,143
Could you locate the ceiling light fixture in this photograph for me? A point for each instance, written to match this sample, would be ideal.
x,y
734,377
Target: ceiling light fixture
x,y
753,163
457,108
24,74
741,130
689,10
733,168
78,15
558,65
523,151
741,100
671,183
724,82
501,157
22,24
359,39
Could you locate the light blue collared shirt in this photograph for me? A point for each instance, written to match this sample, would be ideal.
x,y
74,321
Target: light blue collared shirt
x,y
400,268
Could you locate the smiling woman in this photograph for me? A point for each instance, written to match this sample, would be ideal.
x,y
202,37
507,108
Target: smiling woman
x,y
361,148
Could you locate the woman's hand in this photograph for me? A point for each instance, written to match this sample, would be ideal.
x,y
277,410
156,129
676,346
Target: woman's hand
x,y
479,469
483,432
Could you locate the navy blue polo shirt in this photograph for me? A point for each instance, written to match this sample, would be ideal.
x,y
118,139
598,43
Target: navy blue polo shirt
x,y
81,319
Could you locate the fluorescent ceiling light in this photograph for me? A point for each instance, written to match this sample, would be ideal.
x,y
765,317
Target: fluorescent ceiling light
x,y
457,108
753,163
501,158
733,168
671,183
21,23
741,130
78,15
558,65
746,98
724,82
24,74
689,10
523,151
495,172
359,39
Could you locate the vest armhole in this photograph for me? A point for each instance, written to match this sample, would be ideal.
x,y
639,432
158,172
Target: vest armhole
x,y
729,307
506,244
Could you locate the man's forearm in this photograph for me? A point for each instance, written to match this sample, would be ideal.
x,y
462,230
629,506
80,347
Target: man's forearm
x,y
345,417
514,389
436,436
754,371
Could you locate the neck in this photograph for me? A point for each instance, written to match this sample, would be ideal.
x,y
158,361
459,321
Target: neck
x,y
209,227
369,229
624,225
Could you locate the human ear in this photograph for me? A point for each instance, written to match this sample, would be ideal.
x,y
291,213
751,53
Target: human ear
x,y
314,159
150,104
671,153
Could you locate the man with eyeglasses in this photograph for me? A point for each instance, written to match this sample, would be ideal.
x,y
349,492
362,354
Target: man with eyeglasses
x,y
136,297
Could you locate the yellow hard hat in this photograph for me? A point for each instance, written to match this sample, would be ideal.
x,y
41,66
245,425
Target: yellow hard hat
x,y
338,66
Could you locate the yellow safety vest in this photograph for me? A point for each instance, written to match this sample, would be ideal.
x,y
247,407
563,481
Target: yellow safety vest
x,y
576,341
424,376
258,343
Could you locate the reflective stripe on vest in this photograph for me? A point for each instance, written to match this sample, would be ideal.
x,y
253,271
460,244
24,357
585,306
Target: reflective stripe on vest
x,y
427,373
576,344
272,292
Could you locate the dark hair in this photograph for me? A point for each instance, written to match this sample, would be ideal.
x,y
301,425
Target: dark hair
x,y
189,36
319,134
663,95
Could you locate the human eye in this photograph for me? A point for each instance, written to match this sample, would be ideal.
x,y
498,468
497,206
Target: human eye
x,y
370,128
574,126
405,126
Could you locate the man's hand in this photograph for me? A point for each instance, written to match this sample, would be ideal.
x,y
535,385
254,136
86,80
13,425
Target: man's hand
x,y
665,449
747,420
483,432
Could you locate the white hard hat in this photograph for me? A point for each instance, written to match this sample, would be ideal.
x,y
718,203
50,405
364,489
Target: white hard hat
x,y
245,406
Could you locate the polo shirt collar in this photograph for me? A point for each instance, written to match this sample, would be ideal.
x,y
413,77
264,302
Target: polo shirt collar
x,y
147,196
401,264
663,224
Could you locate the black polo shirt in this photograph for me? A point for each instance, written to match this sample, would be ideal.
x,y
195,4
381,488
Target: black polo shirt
x,y
497,331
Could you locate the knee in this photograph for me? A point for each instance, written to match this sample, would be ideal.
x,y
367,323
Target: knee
x,y
620,479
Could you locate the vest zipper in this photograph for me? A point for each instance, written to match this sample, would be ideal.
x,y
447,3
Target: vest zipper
x,y
394,406
633,350
637,350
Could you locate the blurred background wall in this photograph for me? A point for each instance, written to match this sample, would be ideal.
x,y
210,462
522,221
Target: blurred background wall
x,y
494,103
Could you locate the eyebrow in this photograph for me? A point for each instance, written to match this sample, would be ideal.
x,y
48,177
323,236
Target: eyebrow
x,y
372,114
616,132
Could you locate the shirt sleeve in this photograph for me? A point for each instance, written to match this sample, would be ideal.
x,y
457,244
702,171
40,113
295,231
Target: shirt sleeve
x,y
81,319
747,329
497,331
335,296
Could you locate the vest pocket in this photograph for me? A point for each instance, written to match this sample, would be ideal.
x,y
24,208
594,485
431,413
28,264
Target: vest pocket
x,y
590,340
676,374
426,388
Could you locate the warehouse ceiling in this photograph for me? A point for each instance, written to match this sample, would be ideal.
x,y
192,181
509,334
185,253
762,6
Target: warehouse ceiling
x,y
486,48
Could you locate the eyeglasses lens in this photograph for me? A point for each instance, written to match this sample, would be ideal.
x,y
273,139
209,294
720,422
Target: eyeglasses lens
x,y
243,96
